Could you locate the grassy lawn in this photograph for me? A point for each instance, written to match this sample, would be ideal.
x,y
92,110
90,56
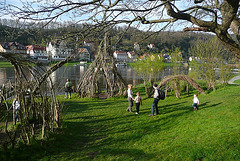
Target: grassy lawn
x,y
237,81
102,130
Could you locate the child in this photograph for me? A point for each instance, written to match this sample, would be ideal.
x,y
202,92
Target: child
x,y
138,101
130,98
195,102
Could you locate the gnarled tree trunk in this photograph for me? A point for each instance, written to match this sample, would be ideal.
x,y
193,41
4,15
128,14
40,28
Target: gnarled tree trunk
x,y
184,78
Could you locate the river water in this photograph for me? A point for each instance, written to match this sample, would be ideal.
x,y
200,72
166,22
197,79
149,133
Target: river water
x,y
75,72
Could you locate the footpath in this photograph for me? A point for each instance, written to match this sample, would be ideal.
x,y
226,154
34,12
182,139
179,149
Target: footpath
x,y
233,79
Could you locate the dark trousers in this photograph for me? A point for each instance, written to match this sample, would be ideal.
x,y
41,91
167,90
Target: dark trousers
x,y
16,116
195,106
155,106
130,101
137,107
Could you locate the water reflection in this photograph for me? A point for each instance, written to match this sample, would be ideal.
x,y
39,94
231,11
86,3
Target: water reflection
x,y
74,73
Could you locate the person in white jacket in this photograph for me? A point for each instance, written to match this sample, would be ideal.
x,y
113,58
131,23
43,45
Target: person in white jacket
x,y
16,107
195,102
130,98
138,100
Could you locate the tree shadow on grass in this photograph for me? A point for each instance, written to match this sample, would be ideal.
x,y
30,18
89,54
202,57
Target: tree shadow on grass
x,y
99,135
164,109
208,105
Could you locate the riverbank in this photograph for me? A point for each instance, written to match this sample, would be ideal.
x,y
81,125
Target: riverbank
x,y
95,129
4,64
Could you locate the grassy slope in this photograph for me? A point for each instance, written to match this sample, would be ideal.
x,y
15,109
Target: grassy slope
x,y
237,81
103,130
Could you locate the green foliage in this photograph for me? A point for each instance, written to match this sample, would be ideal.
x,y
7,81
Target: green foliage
x,y
225,72
208,56
176,55
149,68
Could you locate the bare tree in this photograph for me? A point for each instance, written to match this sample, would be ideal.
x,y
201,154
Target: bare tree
x,y
39,108
207,57
220,17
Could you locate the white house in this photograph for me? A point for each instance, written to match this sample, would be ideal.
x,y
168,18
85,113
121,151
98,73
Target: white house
x,y
37,52
58,50
120,55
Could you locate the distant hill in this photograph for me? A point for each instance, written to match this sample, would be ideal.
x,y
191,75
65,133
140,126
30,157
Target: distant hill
x,y
162,41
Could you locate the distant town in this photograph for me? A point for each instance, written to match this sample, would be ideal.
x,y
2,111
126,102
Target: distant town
x,y
58,50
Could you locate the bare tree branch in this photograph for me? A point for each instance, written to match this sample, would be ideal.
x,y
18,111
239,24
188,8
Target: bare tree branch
x,y
205,29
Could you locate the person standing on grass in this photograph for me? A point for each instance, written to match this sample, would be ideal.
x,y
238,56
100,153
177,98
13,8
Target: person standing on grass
x,y
68,88
130,98
155,101
195,102
138,100
16,108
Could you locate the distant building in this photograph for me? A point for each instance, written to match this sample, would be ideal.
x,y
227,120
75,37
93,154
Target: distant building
x,y
88,43
143,57
84,54
132,55
58,50
37,52
120,55
136,46
13,47
151,46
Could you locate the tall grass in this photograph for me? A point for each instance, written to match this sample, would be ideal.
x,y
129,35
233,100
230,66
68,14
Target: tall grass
x,y
96,129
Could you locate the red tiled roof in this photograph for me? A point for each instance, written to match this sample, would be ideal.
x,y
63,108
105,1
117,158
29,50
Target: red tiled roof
x,y
81,50
120,52
36,47
7,45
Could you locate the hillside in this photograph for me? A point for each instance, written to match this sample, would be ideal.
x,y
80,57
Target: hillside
x,y
72,35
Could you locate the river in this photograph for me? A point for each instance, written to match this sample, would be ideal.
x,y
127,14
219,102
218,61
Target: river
x,y
75,72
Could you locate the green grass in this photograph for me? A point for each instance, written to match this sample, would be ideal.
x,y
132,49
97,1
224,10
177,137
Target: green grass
x,y
102,130
4,64
237,81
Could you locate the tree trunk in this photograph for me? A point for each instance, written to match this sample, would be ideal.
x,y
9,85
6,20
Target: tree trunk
x,y
177,88
187,89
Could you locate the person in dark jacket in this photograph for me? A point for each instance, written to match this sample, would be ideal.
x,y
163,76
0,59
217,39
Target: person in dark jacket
x,y
155,101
